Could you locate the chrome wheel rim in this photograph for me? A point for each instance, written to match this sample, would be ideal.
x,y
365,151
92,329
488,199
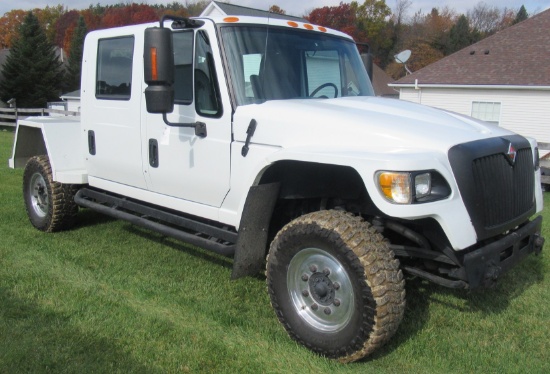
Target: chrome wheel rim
x,y
40,201
320,290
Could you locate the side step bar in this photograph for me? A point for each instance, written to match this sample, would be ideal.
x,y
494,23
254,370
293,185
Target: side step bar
x,y
143,215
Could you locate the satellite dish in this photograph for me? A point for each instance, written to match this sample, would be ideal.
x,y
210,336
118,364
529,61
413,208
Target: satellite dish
x,y
403,56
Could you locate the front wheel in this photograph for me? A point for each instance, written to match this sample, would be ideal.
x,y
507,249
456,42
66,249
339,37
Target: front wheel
x,y
335,285
50,205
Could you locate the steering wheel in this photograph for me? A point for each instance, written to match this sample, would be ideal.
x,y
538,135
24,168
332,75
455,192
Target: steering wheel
x,y
328,84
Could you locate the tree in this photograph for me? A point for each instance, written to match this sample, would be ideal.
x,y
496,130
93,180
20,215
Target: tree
x,y
32,71
521,15
9,25
276,9
48,19
75,56
484,18
341,17
460,36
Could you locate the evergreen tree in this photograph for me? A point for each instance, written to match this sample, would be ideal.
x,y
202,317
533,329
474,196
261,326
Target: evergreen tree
x,y
75,56
459,35
32,72
521,15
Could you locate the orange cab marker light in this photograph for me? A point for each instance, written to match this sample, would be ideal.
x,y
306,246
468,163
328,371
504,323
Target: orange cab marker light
x,y
308,26
231,19
292,24
321,28
154,68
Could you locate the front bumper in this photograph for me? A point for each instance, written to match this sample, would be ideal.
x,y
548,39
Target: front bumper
x,y
481,267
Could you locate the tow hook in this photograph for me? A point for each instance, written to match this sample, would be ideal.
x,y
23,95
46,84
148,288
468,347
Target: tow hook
x,y
538,244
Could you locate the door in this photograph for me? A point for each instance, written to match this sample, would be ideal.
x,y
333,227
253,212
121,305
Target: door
x,y
177,162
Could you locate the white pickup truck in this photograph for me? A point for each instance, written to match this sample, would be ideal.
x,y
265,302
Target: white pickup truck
x,y
262,138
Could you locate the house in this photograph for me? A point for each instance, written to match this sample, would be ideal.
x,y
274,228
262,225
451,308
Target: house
x,y
219,9
503,79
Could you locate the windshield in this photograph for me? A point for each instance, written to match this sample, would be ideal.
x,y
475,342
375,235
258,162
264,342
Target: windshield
x,y
269,63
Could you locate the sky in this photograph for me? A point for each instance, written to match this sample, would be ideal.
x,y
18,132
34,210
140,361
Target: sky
x,y
294,7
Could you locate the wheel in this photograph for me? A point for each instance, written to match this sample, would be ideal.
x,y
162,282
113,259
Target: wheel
x,y
50,205
335,285
323,86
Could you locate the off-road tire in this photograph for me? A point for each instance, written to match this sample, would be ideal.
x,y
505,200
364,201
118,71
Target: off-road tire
x,y
50,205
350,310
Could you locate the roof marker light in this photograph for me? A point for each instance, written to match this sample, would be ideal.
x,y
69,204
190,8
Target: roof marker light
x,y
308,26
322,29
292,24
231,19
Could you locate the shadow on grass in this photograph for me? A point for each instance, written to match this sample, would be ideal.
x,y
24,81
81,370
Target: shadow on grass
x,y
89,218
421,293
38,340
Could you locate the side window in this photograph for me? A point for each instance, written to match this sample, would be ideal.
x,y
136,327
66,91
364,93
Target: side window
x,y
114,68
207,94
323,70
183,65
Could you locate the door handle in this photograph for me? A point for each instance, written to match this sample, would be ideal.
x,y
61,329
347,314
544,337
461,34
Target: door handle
x,y
153,153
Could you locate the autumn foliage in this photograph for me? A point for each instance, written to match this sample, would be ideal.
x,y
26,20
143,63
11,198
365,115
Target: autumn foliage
x,y
59,23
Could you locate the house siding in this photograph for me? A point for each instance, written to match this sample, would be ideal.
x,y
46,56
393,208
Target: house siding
x,y
525,112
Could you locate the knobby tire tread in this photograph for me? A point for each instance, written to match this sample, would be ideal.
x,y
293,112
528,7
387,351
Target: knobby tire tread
x,y
370,255
62,214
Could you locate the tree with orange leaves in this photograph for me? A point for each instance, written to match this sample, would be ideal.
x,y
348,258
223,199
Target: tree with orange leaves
x,y
9,26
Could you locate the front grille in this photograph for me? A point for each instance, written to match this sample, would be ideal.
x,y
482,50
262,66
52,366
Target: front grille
x,y
507,189
498,195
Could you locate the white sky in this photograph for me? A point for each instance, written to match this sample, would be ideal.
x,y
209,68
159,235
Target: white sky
x,y
293,7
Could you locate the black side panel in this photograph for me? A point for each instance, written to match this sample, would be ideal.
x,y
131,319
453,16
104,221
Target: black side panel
x,y
253,229
497,192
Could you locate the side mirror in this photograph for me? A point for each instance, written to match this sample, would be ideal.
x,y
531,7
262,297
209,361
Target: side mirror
x,y
368,62
158,58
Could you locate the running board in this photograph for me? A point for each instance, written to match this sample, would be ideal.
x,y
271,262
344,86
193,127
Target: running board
x,y
158,220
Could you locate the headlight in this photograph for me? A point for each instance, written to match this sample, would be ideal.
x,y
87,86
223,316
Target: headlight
x,y
400,187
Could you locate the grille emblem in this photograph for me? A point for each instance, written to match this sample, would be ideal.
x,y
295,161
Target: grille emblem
x,y
511,154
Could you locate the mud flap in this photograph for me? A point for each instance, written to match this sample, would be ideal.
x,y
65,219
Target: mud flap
x,y
254,229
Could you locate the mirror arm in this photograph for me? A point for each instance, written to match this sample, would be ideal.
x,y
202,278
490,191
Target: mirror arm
x,y
200,127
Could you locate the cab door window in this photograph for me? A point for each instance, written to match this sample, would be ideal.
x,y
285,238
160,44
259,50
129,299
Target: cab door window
x,y
207,94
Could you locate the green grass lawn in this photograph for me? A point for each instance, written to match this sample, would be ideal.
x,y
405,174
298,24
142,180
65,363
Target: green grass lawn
x,y
109,297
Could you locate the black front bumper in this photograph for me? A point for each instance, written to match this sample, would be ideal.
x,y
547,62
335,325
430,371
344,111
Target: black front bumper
x,y
482,266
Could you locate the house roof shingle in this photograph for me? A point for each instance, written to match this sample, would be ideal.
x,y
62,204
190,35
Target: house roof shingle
x,y
518,55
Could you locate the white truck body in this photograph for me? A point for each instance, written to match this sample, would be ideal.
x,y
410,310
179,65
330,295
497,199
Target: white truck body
x,y
211,177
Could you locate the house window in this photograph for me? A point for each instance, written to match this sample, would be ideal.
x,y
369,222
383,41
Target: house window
x,y
486,111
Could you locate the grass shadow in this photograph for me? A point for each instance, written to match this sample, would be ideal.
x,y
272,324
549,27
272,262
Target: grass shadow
x,y
35,339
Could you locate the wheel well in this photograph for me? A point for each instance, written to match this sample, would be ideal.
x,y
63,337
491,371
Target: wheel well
x,y
306,180
32,144
306,187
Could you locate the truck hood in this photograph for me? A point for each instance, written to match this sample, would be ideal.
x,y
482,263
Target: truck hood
x,y
358,122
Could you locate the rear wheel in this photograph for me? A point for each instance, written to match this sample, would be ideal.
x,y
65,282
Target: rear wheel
x,y
50,205
335,285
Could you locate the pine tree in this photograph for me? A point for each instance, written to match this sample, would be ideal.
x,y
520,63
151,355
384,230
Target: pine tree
x,y
32,72
460,36
521,15
75,56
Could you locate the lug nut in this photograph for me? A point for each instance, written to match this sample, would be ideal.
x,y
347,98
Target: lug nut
x,y
305,293
336,286
313,268
336,302
314,307
326,271
327,311
305,277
